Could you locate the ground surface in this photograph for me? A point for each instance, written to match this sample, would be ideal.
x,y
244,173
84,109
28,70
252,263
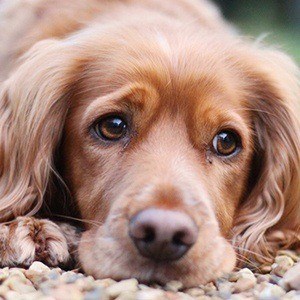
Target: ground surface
x,y
281,280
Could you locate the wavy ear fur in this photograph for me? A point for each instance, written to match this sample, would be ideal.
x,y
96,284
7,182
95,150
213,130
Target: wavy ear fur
x,y
269,218
33,106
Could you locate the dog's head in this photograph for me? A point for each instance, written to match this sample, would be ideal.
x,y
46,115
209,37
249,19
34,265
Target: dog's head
x,y
174,147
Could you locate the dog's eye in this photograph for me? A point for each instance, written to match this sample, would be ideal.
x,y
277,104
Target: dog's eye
x,y
226,143
111,128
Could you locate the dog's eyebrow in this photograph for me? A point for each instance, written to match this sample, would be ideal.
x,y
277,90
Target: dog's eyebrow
x,y
131,95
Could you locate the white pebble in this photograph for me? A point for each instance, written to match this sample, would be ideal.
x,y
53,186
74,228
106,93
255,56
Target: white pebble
x,y
128,285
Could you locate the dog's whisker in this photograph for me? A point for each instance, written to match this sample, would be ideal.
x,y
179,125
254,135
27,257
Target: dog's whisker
x,y
249,251
93,222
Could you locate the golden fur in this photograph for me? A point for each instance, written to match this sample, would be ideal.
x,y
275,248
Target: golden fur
x,y
182,74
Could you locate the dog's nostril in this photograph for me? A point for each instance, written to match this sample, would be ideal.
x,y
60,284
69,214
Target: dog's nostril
x,y
149,235
178,238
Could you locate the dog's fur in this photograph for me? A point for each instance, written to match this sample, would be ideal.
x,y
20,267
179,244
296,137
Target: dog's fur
x,y
181,74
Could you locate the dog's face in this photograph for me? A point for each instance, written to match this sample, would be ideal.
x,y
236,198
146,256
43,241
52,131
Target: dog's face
x,y
161,160
171,146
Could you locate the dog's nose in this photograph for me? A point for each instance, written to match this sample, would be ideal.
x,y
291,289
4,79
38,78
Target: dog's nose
x,y
162,235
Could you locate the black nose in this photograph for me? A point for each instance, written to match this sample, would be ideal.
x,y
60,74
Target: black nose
x,y
162,235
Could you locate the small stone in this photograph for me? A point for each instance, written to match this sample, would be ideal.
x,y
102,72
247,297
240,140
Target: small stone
x,y
243,273
105,282
292,278
284,260
240,297
53,275
207,288
17,276
143,287
15,280
282,264
22,288
35,277
39,267
3,290
244,284
292,295
224,287
47,286
204,298
268,291
265,269
4,273
156,286
128,285
289,253
17,271
12,295
151,294
127,296
174,286
96,294
69,277
86,283
183,296
195,292
263,278
70,290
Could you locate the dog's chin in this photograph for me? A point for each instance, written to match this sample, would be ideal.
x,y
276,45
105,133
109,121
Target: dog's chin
x,y
107,258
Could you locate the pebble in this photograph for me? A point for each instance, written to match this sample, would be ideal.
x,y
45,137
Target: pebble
x,y
35,277
39,267
244,284
291,278
96,294
265,269
69,277
151,294
128,285
3,290
243,273
183,296
292,295
105,282
127,296
67,292
195,292
207,288
268,291
174,286
289,253
39,282
4,273
263,278
282,264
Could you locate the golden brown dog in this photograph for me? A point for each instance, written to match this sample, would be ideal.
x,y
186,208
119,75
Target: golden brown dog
x,y
174,139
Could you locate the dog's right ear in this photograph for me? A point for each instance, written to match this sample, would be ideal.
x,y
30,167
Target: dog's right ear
x,y
33,105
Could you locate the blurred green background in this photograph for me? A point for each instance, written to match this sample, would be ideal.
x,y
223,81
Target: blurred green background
x,y
280,19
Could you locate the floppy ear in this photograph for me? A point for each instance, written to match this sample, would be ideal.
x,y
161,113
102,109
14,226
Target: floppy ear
x,y
269,218
33,105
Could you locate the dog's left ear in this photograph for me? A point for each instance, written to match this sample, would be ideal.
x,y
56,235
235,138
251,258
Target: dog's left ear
x,y
269,217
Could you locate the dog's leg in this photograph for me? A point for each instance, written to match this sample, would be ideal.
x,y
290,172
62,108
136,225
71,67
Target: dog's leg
x,y
27,239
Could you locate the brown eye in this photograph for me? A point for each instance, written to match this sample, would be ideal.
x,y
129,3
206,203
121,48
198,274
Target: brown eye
x,y
226,143
111,128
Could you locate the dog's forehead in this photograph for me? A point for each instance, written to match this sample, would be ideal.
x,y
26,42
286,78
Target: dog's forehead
x,y
187,76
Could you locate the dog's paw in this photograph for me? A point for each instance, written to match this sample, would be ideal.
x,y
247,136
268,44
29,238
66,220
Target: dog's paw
x,y
28,239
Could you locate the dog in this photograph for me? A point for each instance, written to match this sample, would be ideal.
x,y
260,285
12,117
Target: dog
x,y
173,139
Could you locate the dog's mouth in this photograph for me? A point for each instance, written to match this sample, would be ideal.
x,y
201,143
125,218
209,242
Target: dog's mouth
x,y
151,255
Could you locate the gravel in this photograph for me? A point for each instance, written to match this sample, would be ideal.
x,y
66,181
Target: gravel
x,y
281,280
